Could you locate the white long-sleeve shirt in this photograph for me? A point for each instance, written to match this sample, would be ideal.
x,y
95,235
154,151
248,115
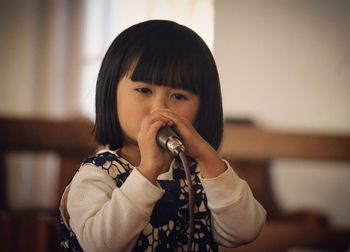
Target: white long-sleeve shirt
x,y
105,217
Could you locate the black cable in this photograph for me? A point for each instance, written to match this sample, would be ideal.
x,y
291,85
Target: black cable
x,y
168,139
190,199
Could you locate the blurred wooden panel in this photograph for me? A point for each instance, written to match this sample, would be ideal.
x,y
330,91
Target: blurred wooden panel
x,y
243,142
7,236
70,163
280,236
240,142
71,139
3,182
46,134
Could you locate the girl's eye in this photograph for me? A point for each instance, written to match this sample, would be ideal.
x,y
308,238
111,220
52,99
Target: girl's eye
x,y
179,97
144,90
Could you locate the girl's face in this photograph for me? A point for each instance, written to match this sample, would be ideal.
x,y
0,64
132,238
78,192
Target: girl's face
x,y
135,100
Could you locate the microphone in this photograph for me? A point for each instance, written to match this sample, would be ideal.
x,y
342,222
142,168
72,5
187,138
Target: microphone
x,y
169,140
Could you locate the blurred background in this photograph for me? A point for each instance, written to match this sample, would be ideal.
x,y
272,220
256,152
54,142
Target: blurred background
x,y
284,67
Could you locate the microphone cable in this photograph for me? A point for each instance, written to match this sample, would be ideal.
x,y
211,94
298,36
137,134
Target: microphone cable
x,y
169,140
190,198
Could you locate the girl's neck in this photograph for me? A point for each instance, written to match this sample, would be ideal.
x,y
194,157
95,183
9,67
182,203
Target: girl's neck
x,y
132,154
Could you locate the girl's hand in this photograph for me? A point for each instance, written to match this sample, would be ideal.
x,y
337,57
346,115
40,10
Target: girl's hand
x,y
154,160
208,159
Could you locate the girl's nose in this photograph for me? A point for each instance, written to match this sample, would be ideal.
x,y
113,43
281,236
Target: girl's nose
x,y
160,103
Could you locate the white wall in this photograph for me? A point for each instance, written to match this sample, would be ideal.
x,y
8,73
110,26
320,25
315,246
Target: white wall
x,y
40,57
286,64
31,178
17,57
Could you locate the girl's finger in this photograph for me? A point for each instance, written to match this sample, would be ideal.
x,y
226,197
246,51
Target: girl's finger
x,y
171,115
149,120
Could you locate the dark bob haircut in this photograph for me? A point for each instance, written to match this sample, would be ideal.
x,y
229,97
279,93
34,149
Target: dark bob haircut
x,y
164,53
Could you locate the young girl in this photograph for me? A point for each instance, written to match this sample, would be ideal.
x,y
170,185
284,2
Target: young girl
x,y
132,195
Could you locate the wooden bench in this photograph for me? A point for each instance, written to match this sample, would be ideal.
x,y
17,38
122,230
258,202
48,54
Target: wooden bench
x,y
250,150
71,140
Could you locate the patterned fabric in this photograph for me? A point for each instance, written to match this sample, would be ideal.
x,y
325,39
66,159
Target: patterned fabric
x,y
167,230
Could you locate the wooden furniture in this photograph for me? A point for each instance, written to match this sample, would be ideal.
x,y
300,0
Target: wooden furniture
x,y
249,149
37,229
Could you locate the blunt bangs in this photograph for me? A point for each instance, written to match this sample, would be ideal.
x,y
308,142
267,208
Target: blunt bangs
x,y
170,56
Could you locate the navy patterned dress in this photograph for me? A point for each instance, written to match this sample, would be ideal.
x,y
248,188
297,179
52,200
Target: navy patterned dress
x,y
168,229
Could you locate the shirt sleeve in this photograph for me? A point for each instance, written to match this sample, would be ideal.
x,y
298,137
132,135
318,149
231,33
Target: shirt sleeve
x,y
105,217
236,216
